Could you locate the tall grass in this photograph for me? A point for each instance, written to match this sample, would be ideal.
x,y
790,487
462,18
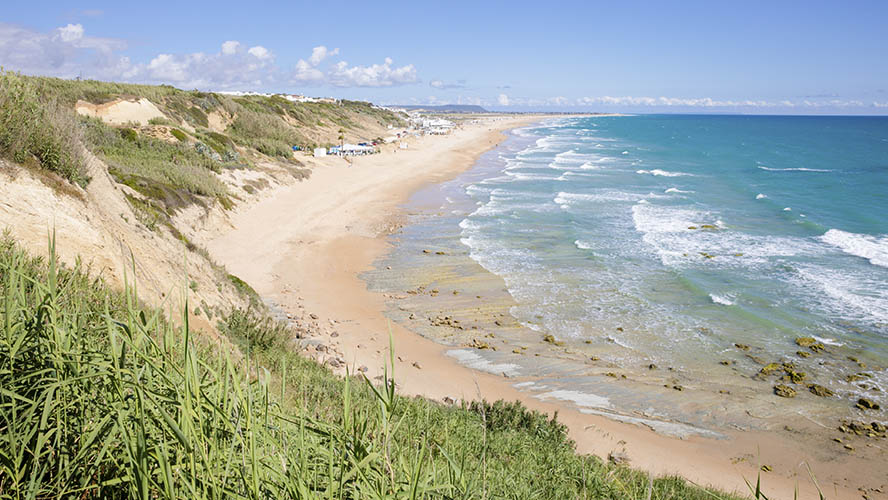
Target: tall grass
x,y
36,128
103,398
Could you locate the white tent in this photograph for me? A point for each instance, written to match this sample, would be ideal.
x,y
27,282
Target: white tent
x,y
319,152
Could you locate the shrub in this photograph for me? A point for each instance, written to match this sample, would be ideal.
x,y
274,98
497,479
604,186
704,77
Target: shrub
x,y
129,134
178,134
157,120
35,127
245,290
254,330
505,416
198,116
152,166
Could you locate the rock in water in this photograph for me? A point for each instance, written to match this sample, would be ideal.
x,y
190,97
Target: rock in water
x,y
819,390
784,391
866,404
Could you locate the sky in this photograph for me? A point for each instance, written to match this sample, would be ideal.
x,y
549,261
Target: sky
x,y
796,57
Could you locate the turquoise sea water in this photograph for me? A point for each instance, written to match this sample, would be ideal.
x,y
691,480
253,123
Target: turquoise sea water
x,y
650,246
678,236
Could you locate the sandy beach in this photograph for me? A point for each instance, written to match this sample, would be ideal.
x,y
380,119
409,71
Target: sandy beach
x,y
304,246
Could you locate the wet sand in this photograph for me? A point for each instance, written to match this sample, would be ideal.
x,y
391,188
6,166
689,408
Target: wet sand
x,y
306,246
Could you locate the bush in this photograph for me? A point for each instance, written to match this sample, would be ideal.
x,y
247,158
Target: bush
x,y
502,416
129,134
245,290
178,134
157,120
158,166
254,330
35,127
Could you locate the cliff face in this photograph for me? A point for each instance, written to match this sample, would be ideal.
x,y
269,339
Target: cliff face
x,y
98,225
155,166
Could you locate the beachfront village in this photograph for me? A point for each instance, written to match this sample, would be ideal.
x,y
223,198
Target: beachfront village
x,y
419,124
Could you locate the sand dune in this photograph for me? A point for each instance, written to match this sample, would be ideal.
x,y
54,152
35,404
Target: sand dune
x,y
121,111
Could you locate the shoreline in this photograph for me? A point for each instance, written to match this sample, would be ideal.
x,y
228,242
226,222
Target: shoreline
x,y
306,245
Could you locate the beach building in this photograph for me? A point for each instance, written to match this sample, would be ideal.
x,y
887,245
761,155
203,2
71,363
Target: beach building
x,y
437,123
357,149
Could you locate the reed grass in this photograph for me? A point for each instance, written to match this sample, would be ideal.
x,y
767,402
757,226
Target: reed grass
x,y
101,397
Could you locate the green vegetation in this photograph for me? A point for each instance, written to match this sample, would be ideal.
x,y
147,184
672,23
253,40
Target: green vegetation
x,y
245,290
252,330
160,121
103,398
178,134
262,128
36,129
156,165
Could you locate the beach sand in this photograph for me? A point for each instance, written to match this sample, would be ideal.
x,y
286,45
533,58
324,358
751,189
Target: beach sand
x,y
305,245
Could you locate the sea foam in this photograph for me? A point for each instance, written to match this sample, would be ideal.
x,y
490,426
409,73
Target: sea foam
x,y
663,173
797,169
721,299
868,247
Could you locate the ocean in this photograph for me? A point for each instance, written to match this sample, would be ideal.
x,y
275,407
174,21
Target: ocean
x,y
701,245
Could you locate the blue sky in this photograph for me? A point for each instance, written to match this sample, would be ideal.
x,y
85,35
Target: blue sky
x,y
752,57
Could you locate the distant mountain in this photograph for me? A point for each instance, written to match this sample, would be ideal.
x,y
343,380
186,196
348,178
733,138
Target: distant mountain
x,y
447,108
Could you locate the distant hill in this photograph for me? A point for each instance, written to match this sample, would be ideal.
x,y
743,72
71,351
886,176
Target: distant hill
x,y
447,108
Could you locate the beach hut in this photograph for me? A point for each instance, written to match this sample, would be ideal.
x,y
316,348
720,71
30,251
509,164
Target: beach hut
x,y
320,152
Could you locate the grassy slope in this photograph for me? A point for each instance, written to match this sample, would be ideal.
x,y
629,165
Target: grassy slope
x,y
174,162
102,398
38,125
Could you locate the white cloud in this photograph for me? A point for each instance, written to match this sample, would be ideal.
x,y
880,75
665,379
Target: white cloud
x,y
707,102
340,74
230,47
376,75
69,51
233,67
442,85
260,52
306,73
472,100
166,67
65,51
503,100
320,53
70,33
